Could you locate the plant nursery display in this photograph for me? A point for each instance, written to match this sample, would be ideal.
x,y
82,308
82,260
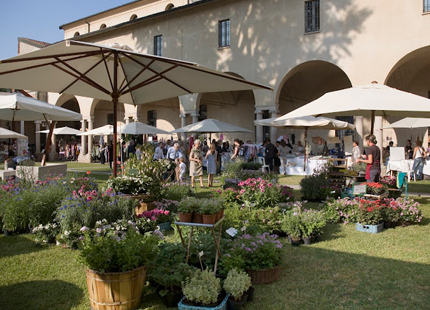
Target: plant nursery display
x,y
202,289
237,285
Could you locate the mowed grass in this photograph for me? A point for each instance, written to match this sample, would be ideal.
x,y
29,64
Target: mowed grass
x,y
345,270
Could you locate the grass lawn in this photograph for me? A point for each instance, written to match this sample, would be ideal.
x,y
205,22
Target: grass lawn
x,y
346,270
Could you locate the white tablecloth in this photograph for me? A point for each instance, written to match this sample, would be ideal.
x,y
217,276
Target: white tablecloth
x,y
395,165
295,165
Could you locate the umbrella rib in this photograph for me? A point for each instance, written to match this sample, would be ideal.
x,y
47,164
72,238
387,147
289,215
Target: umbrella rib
x,y
81,54
125,76
82,76
106,66
137,75
89,82
162,73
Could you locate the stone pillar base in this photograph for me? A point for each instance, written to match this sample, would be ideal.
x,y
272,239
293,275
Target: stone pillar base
x,y
53,156
84,158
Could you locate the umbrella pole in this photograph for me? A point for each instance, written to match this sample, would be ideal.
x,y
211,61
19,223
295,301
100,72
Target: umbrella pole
x,y
306,136
372,122
115,97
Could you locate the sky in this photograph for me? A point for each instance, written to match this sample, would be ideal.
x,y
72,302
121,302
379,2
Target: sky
x,y
40,19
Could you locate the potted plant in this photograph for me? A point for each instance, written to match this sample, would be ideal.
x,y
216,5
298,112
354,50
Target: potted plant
x,y
116,260
186,208
259,255
210,208
311,224
237,284
369,216
202,291
291,225
375,188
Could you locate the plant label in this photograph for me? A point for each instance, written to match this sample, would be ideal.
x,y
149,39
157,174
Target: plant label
x,y
231,231
201,254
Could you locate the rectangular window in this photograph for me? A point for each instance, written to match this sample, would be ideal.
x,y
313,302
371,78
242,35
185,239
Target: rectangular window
x,y
426,6
224,33
158,43
346,132
152,118
312,16
110,119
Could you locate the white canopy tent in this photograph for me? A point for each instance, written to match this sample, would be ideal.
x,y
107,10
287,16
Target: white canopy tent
x,y
63,131
410,122
9,134
138,128
113,73
306,123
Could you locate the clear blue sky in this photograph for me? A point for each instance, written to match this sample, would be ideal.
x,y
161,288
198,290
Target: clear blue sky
x,y
40,19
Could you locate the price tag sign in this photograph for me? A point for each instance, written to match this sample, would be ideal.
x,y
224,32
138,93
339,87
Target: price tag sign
x,y
243,228
231,231
201,254
359,189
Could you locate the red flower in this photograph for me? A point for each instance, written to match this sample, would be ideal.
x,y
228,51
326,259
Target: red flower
x,y
369,209
88,172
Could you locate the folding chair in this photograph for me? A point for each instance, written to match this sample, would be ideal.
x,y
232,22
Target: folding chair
x,y
263,162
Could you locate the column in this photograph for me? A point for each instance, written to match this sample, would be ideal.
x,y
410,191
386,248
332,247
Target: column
x,y
53,153
90,138
273,130
37,123
195,120
183,124
359,129
258,129
377,131
22,127
83,138
127,119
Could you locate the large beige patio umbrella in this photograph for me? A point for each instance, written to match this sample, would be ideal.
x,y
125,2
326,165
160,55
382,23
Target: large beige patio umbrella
x,y
409,123
138,128
306,123
368,100
105,130
9,134
210,125
63,131
113,73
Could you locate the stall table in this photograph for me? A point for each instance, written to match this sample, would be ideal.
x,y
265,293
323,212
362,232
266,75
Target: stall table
x,y
212,227
294,165
396,165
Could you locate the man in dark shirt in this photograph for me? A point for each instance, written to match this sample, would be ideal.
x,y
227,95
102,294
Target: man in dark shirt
x,y
270,154
131,149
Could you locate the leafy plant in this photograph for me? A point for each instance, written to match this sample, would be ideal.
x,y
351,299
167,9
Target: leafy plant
x,y
46,233
237,283
210,206
130,185
175,191
188,205
203,287
341,210
313,187
116,251
369,212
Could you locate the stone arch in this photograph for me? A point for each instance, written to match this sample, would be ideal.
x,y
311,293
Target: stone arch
x,y
71,103
102,111
411,73
234,107
305,83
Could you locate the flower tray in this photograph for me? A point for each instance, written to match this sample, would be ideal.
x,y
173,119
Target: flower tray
x,y
264,276
164,226
373,229
221,306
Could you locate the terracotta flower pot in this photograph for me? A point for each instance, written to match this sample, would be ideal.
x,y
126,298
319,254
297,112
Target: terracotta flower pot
x,y
197,218
209,218
186,217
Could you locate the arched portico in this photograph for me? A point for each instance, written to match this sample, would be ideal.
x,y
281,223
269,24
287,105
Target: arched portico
x,y
411,74
305,83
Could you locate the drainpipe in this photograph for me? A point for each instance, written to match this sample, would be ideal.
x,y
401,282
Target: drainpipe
x,y
88,28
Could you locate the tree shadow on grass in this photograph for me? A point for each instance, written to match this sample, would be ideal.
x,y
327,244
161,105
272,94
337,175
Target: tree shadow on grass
x,y
53,294
17,245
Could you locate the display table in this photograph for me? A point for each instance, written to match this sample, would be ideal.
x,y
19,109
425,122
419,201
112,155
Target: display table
x,y
396,165
294,165
217,240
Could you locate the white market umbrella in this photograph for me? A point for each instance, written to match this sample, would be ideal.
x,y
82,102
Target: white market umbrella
x,y
138,128
409,123
9,134
210,125
63,131
113,73
17,107
368,100
105,130
306,123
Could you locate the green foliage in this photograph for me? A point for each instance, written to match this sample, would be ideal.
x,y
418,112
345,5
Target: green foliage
x,y
313,187
210,205
341,210
115,251
203,287
46,233
130,185
189,205
238,170
300,222
250,166
175,191
237,283
86,209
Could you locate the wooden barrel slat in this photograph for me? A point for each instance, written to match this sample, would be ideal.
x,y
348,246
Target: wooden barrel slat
x,y
117,290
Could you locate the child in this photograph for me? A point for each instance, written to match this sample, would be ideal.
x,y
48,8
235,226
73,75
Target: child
x,y
182,168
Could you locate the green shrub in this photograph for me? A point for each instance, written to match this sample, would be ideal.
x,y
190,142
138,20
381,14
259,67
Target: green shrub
x,y
203,287
313,187
174,191
237,283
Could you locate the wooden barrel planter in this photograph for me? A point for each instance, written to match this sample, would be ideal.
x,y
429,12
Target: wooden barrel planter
x,y
143,202
264,276
115,290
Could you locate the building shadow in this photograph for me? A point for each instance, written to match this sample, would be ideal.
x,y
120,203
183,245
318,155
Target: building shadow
x,y
17,245
44,295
